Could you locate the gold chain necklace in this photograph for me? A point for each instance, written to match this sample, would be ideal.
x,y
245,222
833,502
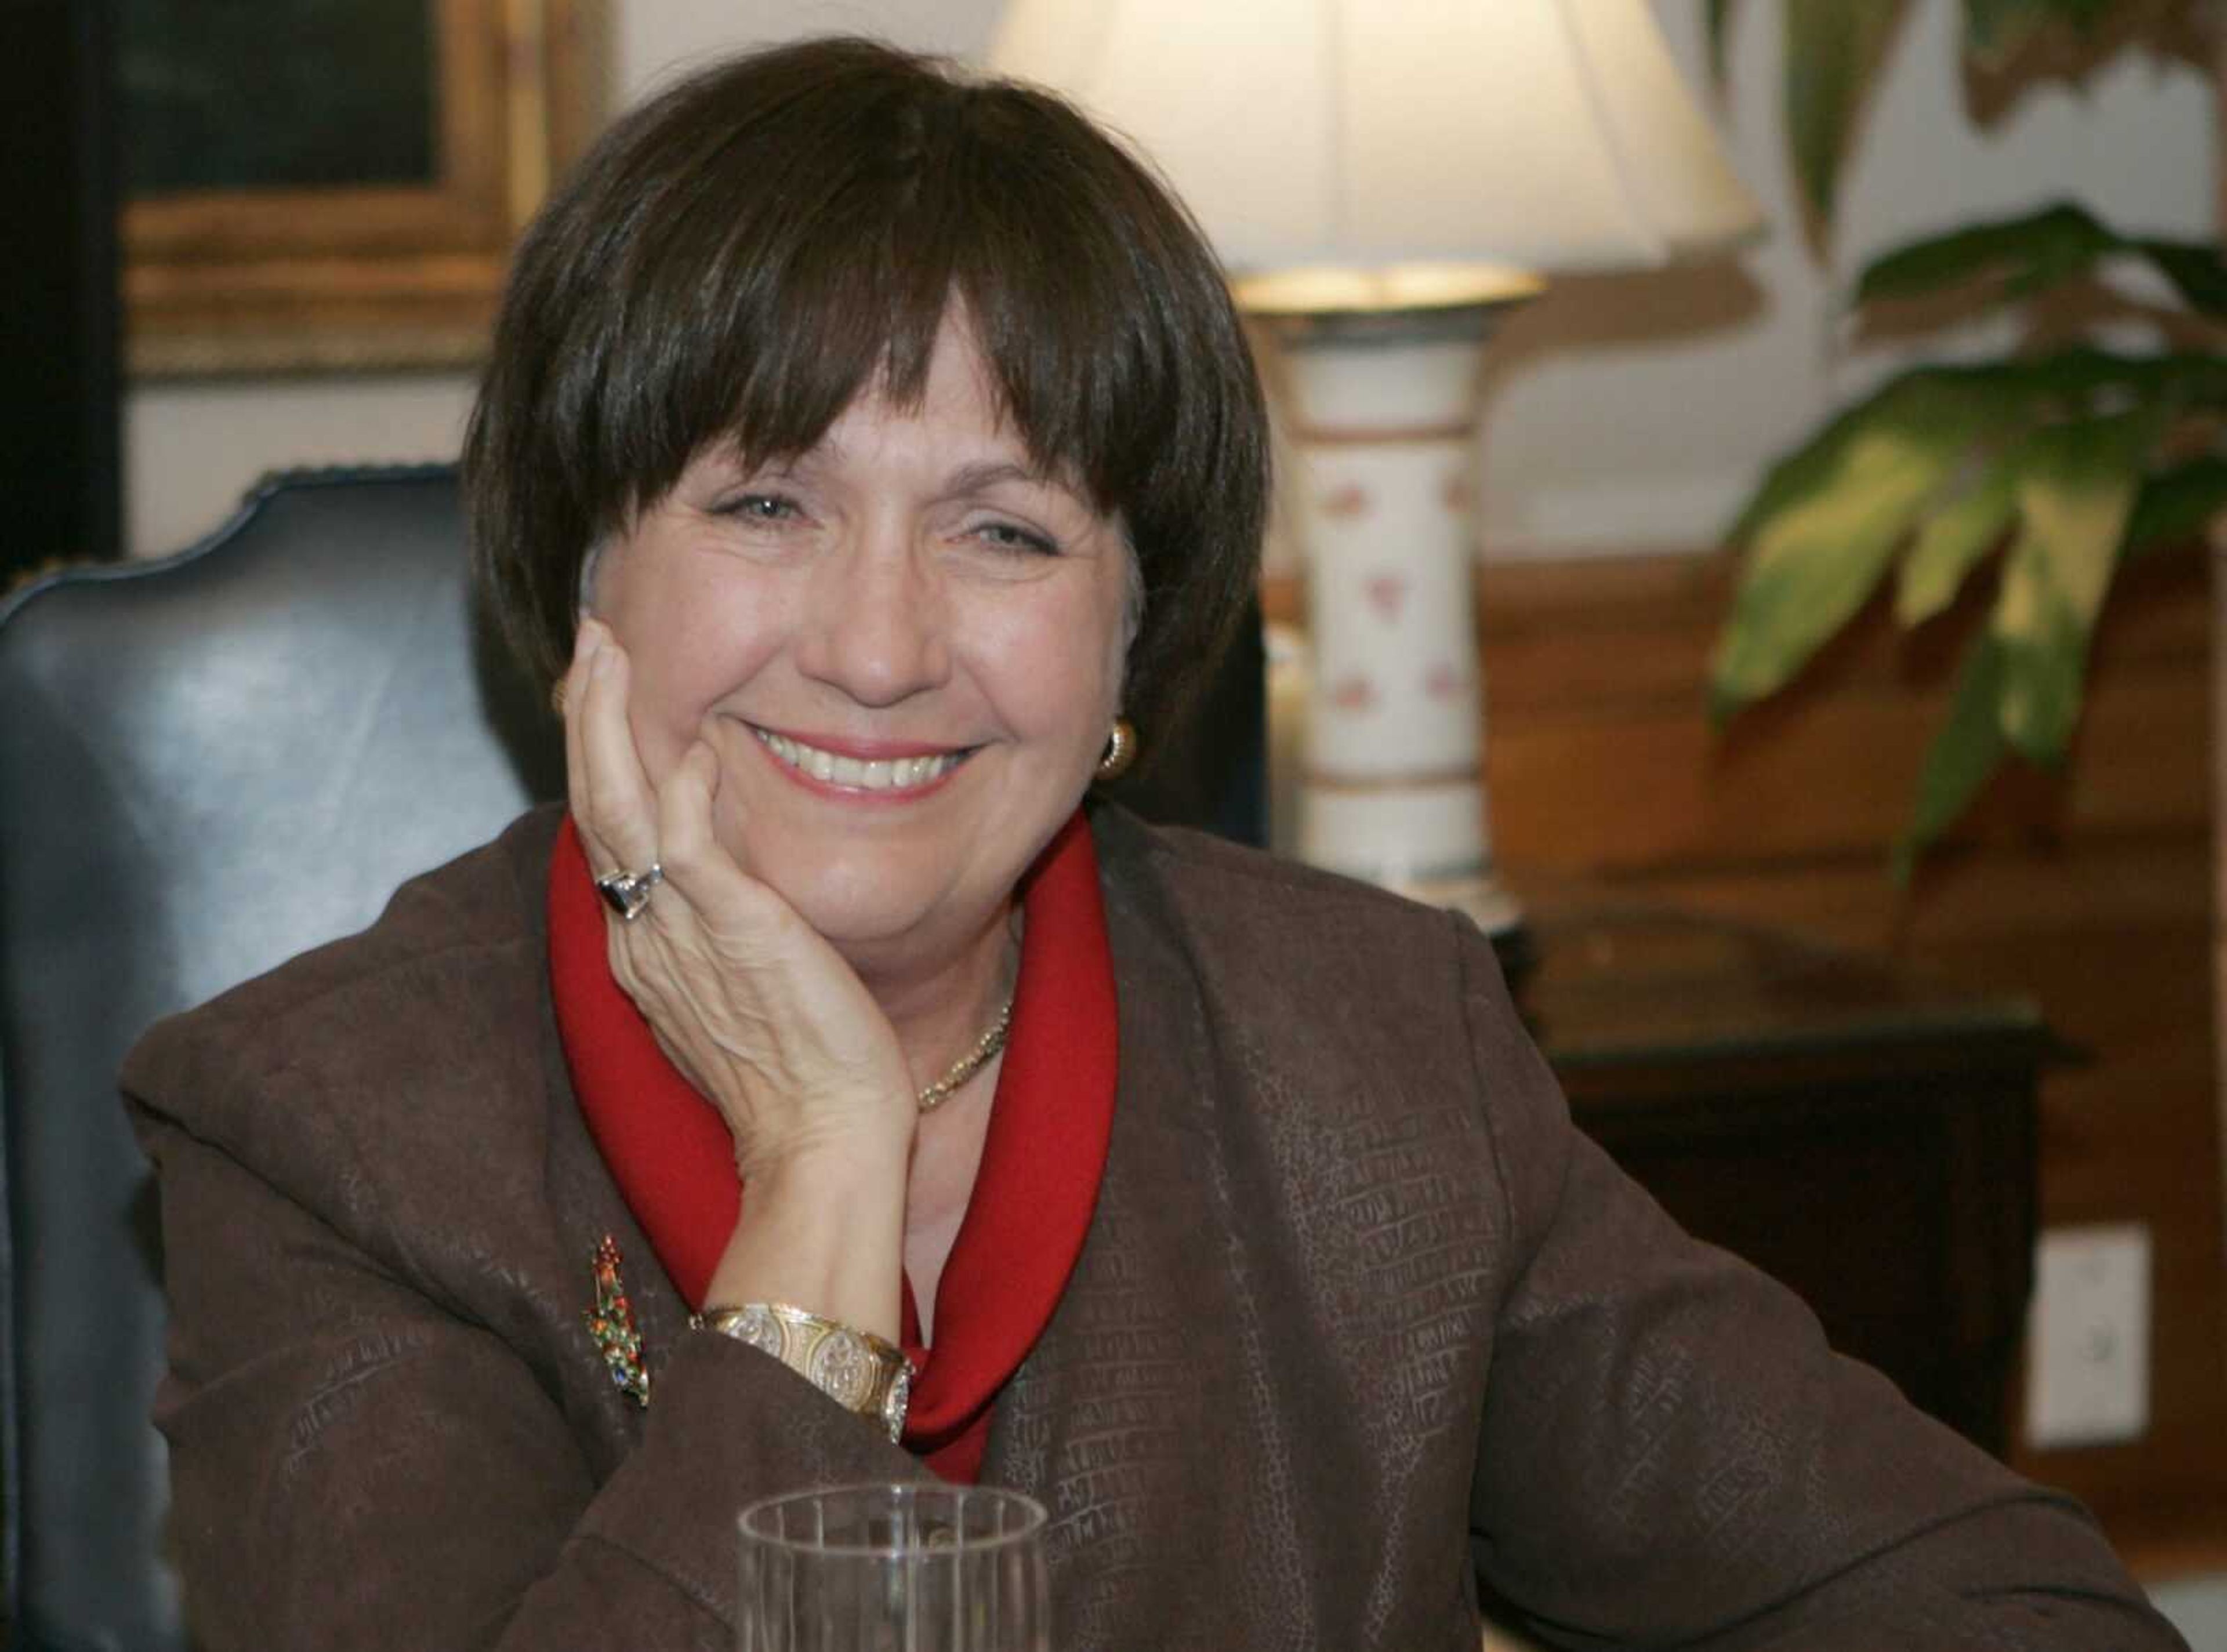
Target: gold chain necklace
x,y
966,1066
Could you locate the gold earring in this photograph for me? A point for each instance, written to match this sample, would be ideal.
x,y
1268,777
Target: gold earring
x,y
1120,750
557,696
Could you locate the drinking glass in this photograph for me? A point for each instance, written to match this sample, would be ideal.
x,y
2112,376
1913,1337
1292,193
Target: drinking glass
x,y
894,1568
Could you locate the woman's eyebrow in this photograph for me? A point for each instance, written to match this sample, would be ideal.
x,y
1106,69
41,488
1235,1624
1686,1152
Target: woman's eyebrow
x,y
974,478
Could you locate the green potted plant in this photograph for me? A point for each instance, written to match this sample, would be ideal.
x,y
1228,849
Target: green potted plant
x,y
2055,463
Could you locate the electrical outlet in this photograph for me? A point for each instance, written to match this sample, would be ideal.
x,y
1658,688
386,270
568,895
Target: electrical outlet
x,y
2088,1348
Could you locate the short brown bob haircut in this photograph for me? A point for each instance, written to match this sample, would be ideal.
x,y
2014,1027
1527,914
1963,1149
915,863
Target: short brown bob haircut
x,y
740,256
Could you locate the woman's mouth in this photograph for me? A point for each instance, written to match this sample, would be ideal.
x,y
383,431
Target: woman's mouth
x,y
860,774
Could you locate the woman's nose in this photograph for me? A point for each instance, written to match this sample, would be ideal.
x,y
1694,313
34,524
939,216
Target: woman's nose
x,y
876,626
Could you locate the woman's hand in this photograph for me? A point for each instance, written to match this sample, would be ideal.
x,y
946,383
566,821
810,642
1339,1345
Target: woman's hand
x,y
760,1013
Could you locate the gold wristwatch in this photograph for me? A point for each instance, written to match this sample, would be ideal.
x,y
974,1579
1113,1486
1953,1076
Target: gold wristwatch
x,y
855,1369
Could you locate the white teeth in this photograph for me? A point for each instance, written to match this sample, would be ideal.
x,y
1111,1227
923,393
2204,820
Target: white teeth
x,y
898,774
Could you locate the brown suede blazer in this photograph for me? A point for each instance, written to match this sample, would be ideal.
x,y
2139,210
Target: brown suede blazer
x,y
1357,1305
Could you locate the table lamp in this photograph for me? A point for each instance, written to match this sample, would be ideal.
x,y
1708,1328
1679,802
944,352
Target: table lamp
x,y
1385,179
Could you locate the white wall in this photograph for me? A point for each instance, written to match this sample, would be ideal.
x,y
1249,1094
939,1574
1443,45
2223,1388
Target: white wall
x,y
1624,412
190,449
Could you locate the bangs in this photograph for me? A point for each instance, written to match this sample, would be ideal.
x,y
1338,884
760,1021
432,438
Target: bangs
x,y
765,309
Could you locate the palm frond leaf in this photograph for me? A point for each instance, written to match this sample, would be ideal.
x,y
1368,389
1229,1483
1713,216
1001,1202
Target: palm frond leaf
x,y
1832,49
1967,750
2029,254
1716,19
2076,492
1955,538
1837,511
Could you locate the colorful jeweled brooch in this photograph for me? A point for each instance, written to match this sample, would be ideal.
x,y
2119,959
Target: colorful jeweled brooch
x,y
610,1323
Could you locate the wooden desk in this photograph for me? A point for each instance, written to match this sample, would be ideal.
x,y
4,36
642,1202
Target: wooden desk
x,y
1864,1134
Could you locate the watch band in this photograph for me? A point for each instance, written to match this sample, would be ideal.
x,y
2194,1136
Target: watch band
x,y
855,1369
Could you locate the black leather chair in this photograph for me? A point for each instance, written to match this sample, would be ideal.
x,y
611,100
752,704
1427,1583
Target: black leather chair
x,y
206,765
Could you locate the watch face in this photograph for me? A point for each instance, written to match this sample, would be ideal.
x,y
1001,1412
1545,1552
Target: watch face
x,y
895,1402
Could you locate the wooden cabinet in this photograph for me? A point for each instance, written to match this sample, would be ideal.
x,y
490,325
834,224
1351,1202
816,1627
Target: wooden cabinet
x,y
1863,1133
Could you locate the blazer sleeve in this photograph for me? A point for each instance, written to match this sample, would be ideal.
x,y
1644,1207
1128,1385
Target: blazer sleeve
x,y
355,1465
1671,1455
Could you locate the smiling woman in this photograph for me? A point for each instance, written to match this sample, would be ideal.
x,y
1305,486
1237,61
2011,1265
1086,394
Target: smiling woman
x,y
835,1091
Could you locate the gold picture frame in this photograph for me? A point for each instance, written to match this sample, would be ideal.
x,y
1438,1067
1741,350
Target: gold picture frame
x,y
233,281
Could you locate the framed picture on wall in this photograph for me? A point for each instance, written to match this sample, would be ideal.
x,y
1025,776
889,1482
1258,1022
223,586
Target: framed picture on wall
x,y
314,185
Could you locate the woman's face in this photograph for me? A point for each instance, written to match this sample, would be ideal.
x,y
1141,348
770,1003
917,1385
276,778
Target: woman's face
x,y
904,648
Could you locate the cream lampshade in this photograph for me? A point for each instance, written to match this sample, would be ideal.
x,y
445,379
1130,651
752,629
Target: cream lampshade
x,y
1384,178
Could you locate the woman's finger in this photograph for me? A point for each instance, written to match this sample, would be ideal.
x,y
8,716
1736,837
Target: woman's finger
x,y
586,643
698,866
695,858
576,766
683,812
612,801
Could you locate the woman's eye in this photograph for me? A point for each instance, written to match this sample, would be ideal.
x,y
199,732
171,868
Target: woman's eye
x,y
762,508
1010,536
